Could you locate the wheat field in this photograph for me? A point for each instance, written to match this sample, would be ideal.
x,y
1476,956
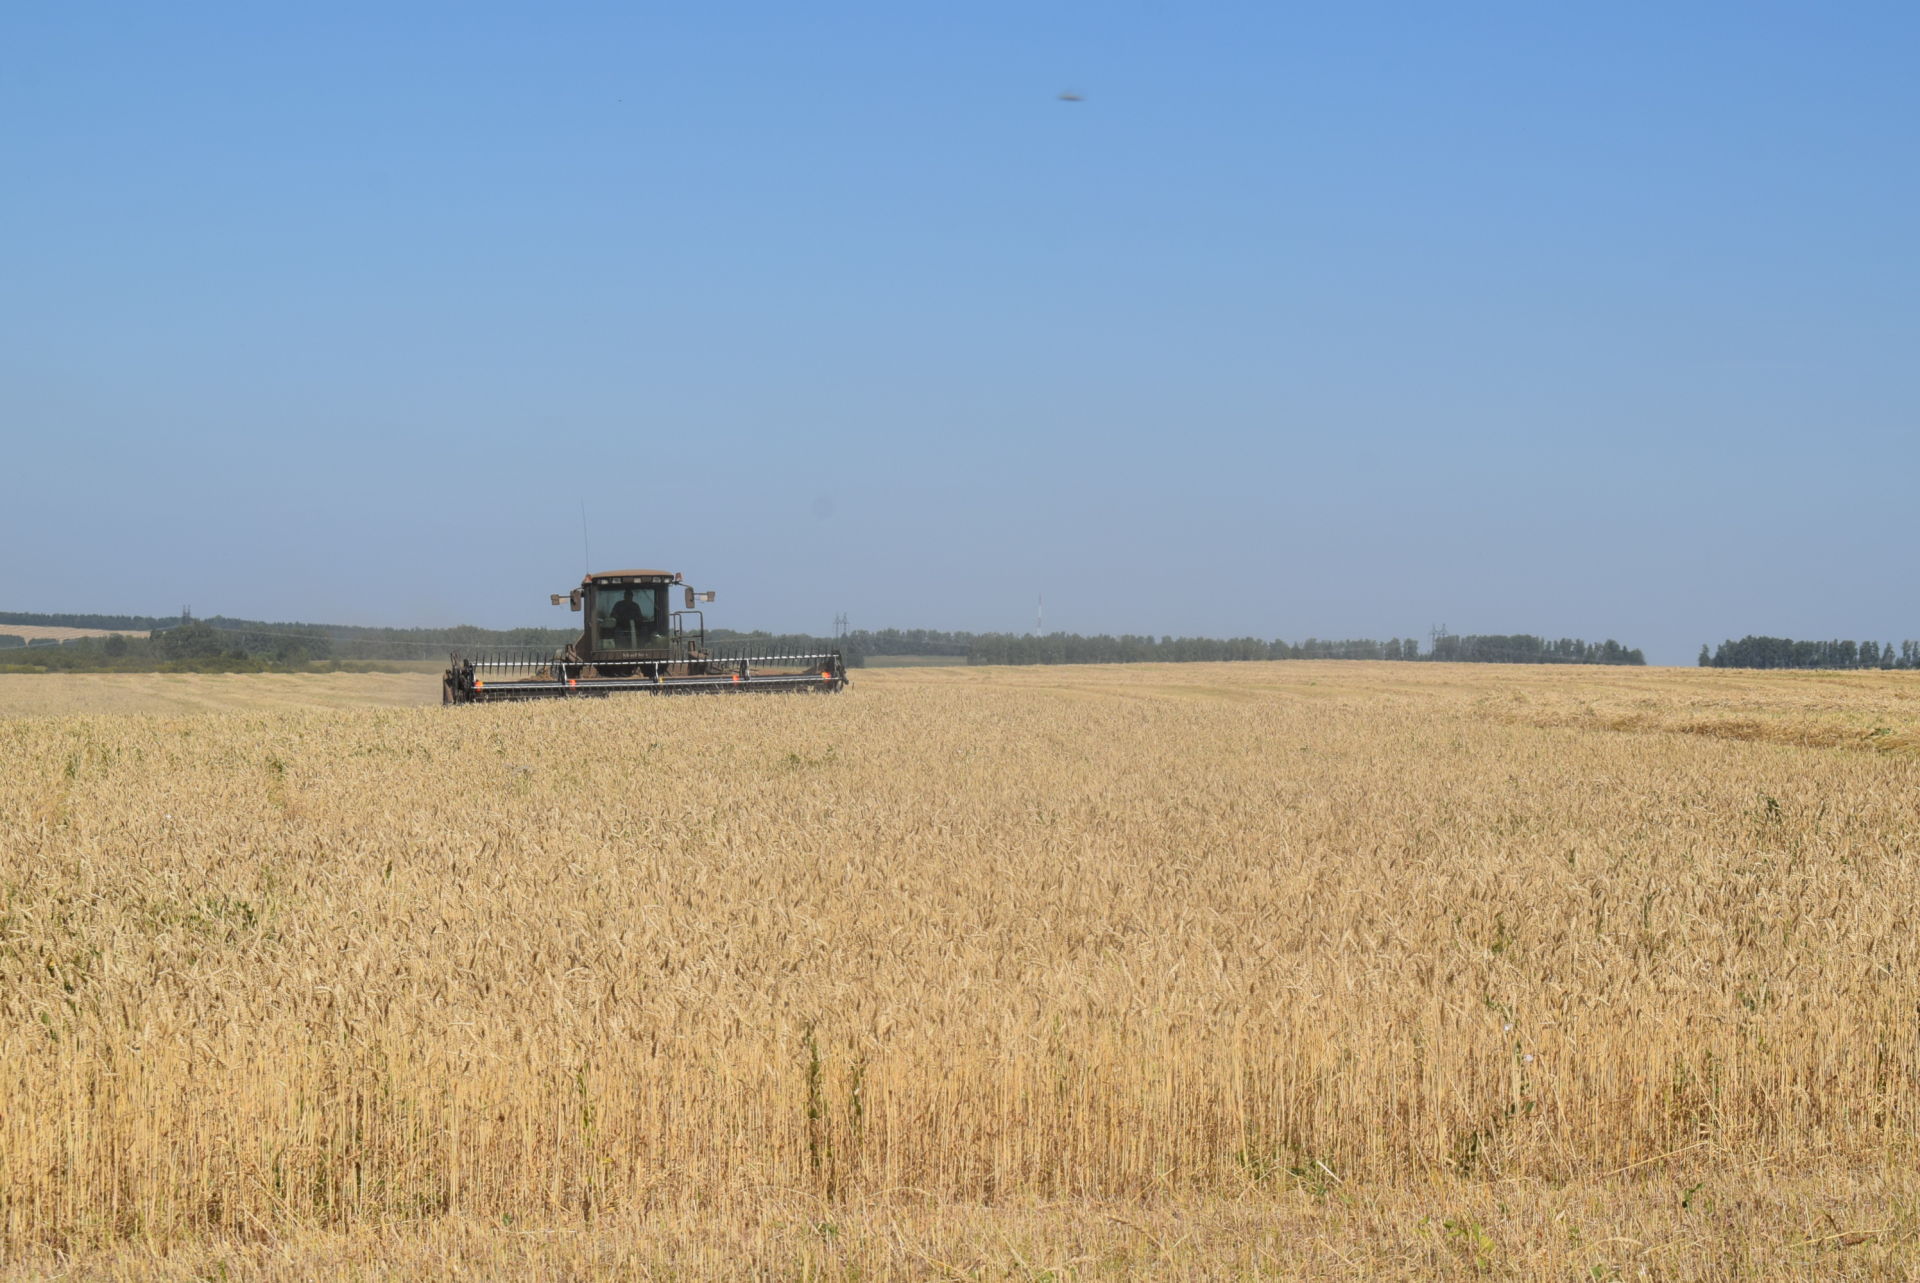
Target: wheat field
x,y
1321,970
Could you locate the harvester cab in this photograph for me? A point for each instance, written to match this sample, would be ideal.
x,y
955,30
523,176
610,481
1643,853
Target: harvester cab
x,y
634,639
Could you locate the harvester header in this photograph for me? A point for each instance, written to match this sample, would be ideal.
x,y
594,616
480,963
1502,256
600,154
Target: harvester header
x,y
634,639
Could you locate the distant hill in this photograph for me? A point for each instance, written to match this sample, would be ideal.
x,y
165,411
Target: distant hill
x,y
61,633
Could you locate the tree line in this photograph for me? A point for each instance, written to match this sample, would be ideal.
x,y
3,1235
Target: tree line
x,y
1524,648
250,643
1785,652
241,644
1470,648
132,623
194,647
907,641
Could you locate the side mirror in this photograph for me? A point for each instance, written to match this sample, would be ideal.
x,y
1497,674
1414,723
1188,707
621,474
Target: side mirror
x,y
689,596
574,598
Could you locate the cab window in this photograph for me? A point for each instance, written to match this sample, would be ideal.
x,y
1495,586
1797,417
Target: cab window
x,y
630,616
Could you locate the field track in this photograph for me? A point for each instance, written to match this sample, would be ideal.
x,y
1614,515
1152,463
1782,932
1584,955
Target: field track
x,y
1327,970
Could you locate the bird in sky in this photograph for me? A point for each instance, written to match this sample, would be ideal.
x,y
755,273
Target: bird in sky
x,y
1072,95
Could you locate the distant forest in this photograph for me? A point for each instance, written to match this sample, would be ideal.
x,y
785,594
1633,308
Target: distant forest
x,y
221,643
1784,652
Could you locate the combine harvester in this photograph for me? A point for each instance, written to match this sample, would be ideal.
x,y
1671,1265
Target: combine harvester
x,y
633,642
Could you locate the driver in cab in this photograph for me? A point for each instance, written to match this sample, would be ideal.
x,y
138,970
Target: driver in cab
x,y
629,616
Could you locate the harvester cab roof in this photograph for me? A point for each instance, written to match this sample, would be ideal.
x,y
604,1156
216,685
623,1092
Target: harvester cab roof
x,y
634,639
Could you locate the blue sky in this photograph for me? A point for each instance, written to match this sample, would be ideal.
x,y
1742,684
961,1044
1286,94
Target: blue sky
x,y
1342,320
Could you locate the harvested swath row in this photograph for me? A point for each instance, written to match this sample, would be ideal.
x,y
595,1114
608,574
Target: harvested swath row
x,y
1116,937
